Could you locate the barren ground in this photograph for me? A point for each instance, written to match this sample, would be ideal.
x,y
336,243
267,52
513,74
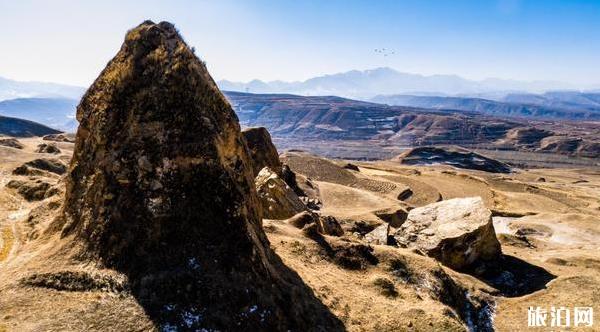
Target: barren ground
x,y
558,218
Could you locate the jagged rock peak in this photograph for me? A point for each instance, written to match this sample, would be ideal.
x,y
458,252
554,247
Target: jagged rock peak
x,y
161,187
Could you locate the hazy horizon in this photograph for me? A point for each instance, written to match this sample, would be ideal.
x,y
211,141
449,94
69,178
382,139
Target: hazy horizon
x,y
70,42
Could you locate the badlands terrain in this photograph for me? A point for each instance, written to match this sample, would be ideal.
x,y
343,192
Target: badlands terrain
x,y
160,213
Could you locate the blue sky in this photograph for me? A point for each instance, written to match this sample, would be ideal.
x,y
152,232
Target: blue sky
x,y
71,41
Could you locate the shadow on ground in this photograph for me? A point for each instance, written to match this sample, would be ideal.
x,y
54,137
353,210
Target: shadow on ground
x,y
514,277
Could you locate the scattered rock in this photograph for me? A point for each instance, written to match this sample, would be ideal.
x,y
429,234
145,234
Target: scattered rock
x,y
352,167
379,235
48,148
540,179
456,157
68,138
40,167
457,232
393,216
301,219
262,150
278,200
33,189
11,143
328,225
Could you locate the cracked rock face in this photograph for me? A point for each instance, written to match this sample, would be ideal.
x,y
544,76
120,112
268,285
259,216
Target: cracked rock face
x,y
458,232
161,187
278,200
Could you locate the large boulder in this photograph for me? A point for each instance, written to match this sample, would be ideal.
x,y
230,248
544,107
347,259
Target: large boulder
x,y
278,200
457,232
161,188
262,150
11,143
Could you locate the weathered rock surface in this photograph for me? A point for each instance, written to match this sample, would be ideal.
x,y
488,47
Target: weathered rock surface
x,y
40,166
262,150
379,235
161,187
451,156
11,143
458,232
48,148
278,200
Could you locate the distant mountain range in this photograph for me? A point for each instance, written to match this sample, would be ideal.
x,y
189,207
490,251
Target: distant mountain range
x,y
11,89
57,113
552,105
54,104
386,81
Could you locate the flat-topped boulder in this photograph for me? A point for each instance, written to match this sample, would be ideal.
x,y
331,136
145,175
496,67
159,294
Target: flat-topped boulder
x,y
457,232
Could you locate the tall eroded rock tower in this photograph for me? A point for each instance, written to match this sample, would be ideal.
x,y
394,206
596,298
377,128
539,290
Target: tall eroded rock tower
x,y
161,187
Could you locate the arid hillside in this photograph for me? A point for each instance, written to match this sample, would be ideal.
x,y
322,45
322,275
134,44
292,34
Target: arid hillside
x,y
337,120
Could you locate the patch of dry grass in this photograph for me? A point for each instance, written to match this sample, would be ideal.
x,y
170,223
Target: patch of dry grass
x,y
6,244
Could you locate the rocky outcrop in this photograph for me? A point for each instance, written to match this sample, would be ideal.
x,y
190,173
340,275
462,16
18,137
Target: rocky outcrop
x,y
278,200
41,166
11,143
262,151
47,148
458,232
161,188
455,157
